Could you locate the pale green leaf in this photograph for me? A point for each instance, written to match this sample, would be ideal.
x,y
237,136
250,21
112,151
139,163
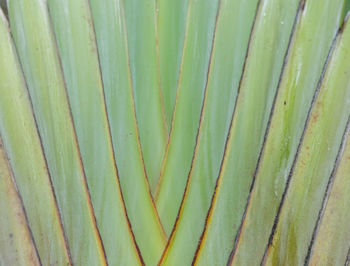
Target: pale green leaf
x,y
36,46
16,243
73,25
316,27
268,46
171,26
201,22
234,24
23,147
112,46
140,18
332,238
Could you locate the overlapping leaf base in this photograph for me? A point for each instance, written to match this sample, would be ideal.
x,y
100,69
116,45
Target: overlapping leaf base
x,y
187,132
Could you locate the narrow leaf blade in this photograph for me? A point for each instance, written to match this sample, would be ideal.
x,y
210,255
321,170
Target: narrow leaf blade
x,y
305,60
272,30
110,29
24,150
234,24
140,18
315,161
171,26
36,46
201,22
16,243
75,35
332,237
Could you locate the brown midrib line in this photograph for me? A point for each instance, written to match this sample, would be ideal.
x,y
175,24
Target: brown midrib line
x,y
137,127
318,87
165,159
15,187
166,135
327,192
226,143
330,181
57,210
198,133
110,140
158,70
285,60
82,169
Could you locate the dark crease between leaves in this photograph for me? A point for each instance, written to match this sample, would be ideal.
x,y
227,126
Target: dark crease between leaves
x,y
85,184
327,193
285,60
58,211
197,136
137,129
110,141
274,227
13,181
164,162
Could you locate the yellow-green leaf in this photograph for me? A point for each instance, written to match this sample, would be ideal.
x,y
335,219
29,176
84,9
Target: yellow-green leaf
x,y
332,234
35,42
199,36
259,83
109,24
16,243
316,26
315,160
234,24
140,18
24,150
72,20
171,25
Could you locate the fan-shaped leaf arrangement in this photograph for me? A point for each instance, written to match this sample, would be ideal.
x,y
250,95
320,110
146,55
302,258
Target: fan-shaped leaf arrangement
x,y
205,132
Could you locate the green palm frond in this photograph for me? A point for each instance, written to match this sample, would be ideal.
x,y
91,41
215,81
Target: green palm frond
x,y
187,132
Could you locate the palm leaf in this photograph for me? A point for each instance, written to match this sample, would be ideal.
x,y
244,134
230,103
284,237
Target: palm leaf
x,y
189,132
41,67
297,87
16,241
24,150
87,100
331,234
140,19
170,34
320,145
201,23
210,141
249,122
